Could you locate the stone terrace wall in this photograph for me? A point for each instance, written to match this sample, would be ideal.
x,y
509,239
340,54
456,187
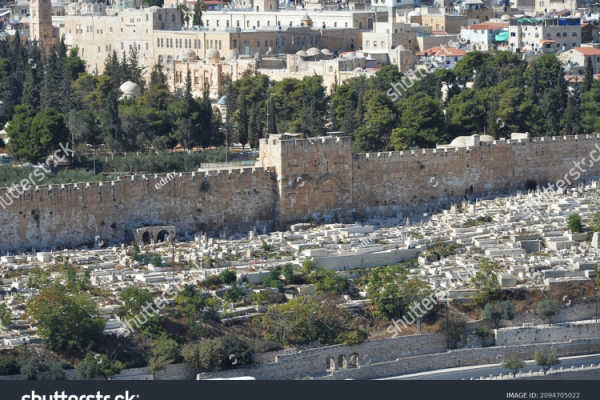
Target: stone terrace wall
x,y
543,334
435,176
316,362
464,357
71,215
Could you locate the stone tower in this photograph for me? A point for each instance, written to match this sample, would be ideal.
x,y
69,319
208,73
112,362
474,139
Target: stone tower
x,y
314,175
41,29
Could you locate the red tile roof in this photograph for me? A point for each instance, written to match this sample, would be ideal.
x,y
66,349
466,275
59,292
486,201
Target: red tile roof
x,y
442,52
588,51
488,26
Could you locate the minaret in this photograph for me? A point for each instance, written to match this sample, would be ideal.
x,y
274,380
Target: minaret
x,y
41,29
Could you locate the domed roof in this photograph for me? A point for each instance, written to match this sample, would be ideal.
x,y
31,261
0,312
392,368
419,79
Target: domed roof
x,y
326,52
212,54
191,55
313,51
301,53
307,20
130,89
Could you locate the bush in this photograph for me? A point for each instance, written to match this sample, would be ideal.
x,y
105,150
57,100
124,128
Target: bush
x,y
482,331
34,370
514,364
546,359
546,309
574,223
9,365
353,337
217,354
497,311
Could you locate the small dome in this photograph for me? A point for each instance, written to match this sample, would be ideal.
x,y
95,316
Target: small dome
x,y
307,20
327,52
212,54
191,55
301,53
313,51
130,89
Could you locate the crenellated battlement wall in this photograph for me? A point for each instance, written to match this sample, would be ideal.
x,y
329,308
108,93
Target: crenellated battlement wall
x,y
426,176
296,179
74,214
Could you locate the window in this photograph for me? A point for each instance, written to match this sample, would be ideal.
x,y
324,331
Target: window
x,y
234,43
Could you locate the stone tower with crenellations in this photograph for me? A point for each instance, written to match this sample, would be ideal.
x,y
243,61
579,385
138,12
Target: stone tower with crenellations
x,y
41,29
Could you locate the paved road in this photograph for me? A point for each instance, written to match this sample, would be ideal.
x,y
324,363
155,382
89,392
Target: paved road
x,y
492,369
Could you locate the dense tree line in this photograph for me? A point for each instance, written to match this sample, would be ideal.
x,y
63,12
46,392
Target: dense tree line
x,y
51,99
486,93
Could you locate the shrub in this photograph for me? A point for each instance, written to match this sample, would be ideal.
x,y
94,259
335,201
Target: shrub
x,y
353,337
574,223
9,365
546,359
546,309
482,331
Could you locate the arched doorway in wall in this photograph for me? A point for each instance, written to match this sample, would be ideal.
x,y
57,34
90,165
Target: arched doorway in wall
x,y
163,236
146,238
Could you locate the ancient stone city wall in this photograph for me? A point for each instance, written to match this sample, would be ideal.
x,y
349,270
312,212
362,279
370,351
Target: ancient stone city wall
x,y
71,215
411,178
298,179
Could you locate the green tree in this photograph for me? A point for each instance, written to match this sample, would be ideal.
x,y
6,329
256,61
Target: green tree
x,y
69,323
138,303
228,277
422,124
546,309
328,281
497,311
303,320
34,369
165,351
199,7
546,359
98,366
514,364
588,75
574,223
5,315
486,281
217,354
380,118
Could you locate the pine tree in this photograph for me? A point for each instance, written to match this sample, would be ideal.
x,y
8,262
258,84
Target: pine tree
x,y
242,131
198,8
33,78
253,127
589,75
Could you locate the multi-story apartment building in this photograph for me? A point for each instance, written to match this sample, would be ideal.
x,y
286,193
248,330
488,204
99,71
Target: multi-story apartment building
x,y
544,35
